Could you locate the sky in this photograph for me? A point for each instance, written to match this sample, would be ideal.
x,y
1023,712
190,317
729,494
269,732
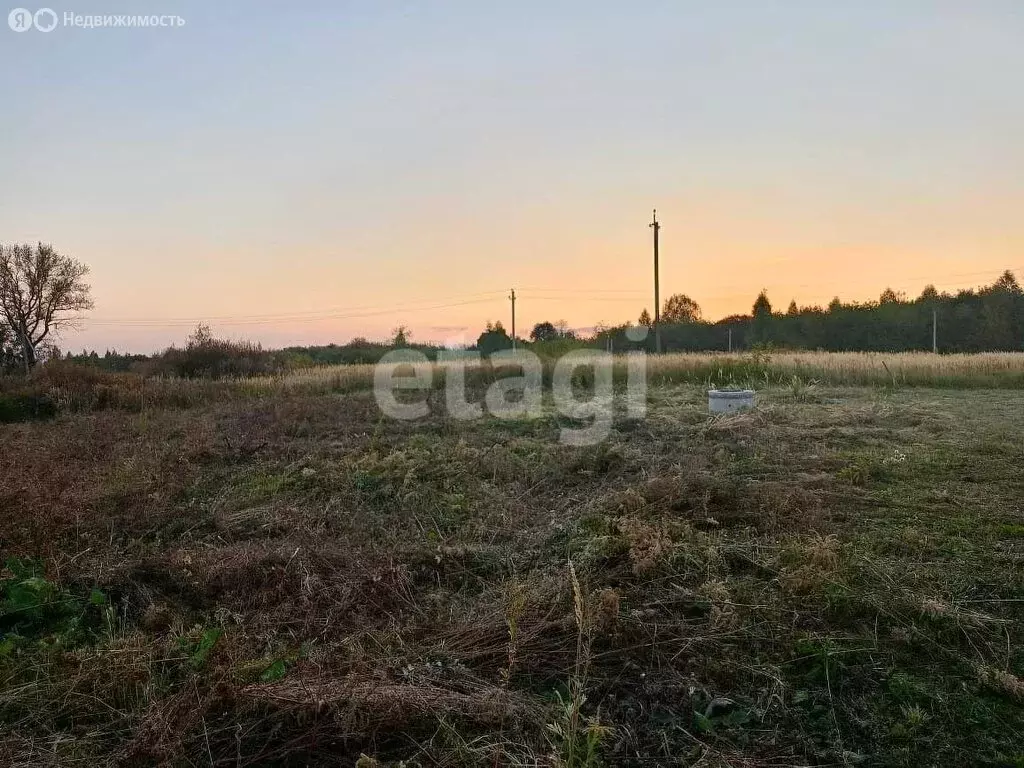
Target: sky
x,y
307,172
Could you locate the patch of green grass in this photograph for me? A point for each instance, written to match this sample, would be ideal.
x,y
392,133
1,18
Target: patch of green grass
x,y
36,611
262,485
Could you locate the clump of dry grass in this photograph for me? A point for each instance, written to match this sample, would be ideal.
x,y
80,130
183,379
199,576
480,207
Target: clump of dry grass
x,y
1003,682
811,563
648,544
393,703
724,613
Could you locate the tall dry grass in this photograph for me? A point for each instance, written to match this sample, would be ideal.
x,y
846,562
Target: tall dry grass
x,y
913,369
73,388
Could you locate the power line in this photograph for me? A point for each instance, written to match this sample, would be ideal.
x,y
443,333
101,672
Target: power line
x,y
586,295
906,280
904,284
337,316
642,293
298,313
586,290
630,299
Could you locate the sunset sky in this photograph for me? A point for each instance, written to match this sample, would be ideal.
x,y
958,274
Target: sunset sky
x,y
308,172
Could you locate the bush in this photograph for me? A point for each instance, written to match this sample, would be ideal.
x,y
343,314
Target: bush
x,y
26,406
205,357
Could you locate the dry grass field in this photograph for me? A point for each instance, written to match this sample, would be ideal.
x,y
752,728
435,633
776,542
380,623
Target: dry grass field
x,y
266,572
71,389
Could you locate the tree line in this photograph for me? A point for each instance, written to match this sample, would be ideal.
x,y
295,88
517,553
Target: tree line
x,y
971,320
43,291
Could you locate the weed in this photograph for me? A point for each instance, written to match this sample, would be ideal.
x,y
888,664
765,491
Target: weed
x,y
514,610
34,609
578,739
198,644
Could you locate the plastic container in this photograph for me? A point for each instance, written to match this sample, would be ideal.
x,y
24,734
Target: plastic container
x,y
729,400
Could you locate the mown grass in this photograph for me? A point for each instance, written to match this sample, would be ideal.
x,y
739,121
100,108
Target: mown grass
x,y
832,579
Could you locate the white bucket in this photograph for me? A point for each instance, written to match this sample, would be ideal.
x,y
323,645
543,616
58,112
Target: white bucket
x,y
729,400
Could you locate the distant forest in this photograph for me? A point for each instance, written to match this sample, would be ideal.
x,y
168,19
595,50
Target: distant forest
x,y
988,319
973,320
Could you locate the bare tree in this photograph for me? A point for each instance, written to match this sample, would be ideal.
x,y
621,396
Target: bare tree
x,y
40,292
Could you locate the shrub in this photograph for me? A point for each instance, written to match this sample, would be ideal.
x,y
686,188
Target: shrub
x,y
206,357
26,406
65,386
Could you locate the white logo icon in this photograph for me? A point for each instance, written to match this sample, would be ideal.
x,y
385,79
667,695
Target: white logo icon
x,y
45,19
20,20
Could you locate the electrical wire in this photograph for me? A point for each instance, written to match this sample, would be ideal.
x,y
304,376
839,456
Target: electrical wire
x,y
311,316
587,295
339,316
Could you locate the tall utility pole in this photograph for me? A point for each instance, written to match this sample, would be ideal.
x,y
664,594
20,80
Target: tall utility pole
x,y
657,299
513,298
935,331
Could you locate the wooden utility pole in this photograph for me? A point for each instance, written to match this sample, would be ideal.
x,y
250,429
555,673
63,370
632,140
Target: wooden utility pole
x,y
657,299
513,297
935,331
